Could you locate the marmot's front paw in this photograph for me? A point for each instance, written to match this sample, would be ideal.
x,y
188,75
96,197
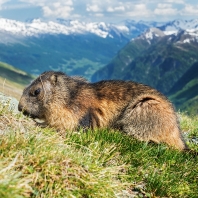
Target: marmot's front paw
x,y
40,122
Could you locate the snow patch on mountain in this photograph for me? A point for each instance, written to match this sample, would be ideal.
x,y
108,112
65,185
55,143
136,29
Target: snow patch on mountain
x,y
151,34
170,32
154,32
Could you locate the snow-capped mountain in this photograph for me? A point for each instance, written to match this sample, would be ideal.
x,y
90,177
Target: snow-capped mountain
x,y
67,27
154,57
152,35
180,24
185,31
37,27
127,28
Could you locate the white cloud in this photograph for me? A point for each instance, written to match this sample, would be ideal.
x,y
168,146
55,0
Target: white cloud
x,y
175,1
116,9
138,10
60,9
99,15
53,8
93,8
165,9
140,7
190,10
164,5
2,2
105,5
110,10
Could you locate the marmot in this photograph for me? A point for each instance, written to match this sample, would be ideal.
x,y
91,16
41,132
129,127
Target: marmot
x,y
67,103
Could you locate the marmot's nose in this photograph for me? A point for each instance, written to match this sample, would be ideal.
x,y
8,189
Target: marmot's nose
x,y
20,107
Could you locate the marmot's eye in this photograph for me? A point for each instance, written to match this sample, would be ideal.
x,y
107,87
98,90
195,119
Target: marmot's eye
x,y
37,91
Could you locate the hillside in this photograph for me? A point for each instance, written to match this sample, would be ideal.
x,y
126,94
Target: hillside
x,y
153,58
184,93
39,162
119,64
13,80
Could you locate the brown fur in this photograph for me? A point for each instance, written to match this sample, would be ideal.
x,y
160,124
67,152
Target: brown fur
x,y
68,103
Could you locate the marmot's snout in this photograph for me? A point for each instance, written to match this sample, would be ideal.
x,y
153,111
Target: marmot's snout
x,y
20,107
24,111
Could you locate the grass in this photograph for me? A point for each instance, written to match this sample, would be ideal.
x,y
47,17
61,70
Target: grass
x,y
39,162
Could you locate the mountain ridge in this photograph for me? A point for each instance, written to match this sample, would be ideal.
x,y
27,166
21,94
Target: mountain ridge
x,y
156,56
38,27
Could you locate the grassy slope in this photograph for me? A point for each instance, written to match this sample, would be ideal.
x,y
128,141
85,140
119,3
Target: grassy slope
x,y
38,162
13,80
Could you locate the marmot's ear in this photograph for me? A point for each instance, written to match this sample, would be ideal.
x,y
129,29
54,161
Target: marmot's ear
x,y
53,79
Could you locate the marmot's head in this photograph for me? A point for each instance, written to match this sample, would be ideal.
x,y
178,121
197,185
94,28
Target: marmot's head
x,y
47,88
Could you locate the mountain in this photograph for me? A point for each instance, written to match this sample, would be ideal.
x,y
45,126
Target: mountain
x,y
75,47
36,27
180,25
157,58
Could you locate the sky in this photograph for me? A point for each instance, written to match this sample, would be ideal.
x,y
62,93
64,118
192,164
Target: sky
x,y
99,10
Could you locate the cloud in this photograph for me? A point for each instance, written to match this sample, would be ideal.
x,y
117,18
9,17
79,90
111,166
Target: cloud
x,y
99,15
15,6
175,1
2,2
93,8
165,9
60,9
190,10
105,6
109,10
53,8
138,10
116,9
